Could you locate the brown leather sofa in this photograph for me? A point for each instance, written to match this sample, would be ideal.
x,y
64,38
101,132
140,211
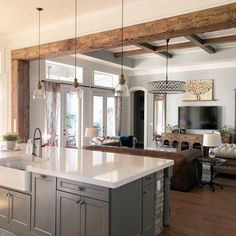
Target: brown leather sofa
x,y
184,170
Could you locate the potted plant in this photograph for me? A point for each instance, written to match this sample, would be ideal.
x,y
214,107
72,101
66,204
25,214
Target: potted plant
x,y
226,133
11,139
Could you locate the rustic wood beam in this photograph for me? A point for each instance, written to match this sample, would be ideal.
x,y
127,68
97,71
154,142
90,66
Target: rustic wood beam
x,y
198,41
213,19
153,49
208,20
176,46
20,98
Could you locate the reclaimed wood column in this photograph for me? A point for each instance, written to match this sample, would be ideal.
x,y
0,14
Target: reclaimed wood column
x,y
20,98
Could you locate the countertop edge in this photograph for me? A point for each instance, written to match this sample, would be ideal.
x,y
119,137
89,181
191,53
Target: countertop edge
x,y
90,180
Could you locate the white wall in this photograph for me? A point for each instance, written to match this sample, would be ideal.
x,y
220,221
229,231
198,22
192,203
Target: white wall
x,y
5,88
37,112
224,85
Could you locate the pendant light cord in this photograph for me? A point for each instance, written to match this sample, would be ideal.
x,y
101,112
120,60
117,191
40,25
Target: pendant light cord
x,y
75,43
39,48
167,58
122,38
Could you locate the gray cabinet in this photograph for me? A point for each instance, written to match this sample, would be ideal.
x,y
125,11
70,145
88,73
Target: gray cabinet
x,y
15,209
19,215
148,210
68,214
94,217
4,203
43,205
81,216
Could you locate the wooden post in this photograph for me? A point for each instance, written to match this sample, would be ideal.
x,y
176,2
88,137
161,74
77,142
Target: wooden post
x,y
20,98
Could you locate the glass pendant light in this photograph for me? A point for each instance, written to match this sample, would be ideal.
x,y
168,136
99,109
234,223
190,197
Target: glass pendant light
x,y
75,89
122,88
39,92
167,86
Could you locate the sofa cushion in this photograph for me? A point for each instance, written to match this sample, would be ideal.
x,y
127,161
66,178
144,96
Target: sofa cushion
x,y
127,141
226,151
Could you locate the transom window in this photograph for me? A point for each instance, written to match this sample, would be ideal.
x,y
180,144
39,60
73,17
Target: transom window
x,y
62,72
106,80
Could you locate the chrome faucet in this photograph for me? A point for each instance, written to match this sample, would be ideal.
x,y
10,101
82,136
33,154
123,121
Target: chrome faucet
x,y
40,143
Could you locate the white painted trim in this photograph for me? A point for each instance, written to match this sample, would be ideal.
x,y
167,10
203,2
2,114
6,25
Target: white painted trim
x,y
133,89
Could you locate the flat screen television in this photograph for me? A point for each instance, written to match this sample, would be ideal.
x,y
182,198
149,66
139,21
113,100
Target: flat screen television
x,y
199,117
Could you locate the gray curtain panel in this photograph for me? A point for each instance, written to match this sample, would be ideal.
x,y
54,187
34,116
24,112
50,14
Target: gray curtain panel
x,y
118,109
52,90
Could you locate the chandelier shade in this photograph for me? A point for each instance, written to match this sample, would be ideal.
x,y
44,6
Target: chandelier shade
x,y
167,87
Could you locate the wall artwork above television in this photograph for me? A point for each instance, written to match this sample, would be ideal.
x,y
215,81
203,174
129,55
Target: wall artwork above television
x,y
199,90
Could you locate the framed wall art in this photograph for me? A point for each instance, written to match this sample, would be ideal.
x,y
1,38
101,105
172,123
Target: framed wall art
x,y
199,90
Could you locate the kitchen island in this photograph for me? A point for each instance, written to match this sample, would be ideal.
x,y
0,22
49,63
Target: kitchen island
x,y
78,192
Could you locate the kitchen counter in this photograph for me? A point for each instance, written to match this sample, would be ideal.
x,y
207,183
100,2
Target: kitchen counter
x,y
92,167
125,194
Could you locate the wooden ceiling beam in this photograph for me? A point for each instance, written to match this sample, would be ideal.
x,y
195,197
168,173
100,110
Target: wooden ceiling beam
x,y
153,49
176,46
208,20
198,41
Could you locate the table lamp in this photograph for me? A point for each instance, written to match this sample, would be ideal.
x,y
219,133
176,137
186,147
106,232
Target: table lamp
x,y
91,132
212,140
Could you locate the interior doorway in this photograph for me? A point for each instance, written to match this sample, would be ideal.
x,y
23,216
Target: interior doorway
x,y
138,117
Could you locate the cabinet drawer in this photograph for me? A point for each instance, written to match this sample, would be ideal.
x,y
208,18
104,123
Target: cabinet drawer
x,y
149,179
83,189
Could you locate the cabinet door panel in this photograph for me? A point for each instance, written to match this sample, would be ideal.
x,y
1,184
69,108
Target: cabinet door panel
x,y
43,205
19,210
4,205
68,214
95,217
148,210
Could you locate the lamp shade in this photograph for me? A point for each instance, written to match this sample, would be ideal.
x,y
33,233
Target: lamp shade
x,y
91,132
212,139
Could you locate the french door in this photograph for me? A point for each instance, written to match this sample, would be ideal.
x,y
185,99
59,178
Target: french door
x,y
104,112
70,118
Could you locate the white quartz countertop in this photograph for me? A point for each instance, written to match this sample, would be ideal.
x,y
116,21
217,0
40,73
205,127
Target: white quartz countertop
x,y
99,168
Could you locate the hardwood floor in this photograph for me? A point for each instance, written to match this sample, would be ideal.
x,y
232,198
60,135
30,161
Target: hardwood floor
x,y
202,212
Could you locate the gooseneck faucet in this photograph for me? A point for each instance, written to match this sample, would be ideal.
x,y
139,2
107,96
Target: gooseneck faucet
x,y
40,143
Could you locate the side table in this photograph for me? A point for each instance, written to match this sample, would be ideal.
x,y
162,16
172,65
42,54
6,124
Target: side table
x,y
208,171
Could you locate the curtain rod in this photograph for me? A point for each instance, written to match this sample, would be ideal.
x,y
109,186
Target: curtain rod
x,y
81,85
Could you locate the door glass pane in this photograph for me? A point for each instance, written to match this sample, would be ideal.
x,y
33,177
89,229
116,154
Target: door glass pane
x,y
98,114
72,124
110,116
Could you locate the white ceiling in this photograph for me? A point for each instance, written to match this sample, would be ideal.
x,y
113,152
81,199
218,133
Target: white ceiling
x,y
20,15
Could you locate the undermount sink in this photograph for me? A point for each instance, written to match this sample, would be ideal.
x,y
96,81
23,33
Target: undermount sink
x,y
13,174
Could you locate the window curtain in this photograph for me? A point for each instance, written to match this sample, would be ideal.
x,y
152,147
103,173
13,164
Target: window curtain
x,y
52,90
118,109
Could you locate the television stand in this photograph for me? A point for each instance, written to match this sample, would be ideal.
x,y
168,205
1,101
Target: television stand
x,y
182,141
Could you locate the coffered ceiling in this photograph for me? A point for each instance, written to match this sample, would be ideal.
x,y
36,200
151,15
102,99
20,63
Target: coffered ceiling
x,y
17,16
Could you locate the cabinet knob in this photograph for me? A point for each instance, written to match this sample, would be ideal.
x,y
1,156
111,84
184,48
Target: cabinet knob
x,y
82,203
8,195
144,192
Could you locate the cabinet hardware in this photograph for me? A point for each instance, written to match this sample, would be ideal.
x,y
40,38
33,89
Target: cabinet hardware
x,y
7,194
144,192
82,203
81,188
43,176
78,202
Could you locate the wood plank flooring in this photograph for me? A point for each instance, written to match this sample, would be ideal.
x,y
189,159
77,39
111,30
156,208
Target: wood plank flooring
x,y
202,212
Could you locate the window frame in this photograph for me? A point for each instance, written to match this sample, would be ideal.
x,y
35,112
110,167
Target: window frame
x,y
105,73
156,99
